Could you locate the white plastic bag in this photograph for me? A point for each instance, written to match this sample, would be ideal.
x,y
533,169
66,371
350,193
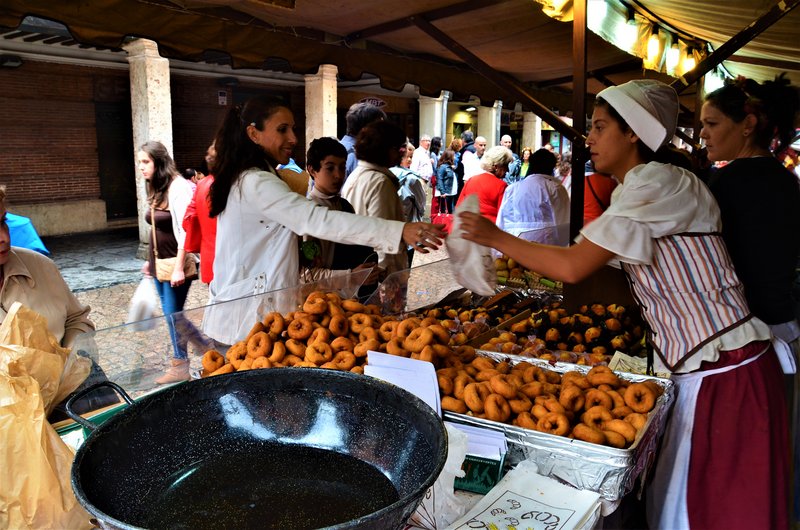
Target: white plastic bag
x,y
473,264
143,306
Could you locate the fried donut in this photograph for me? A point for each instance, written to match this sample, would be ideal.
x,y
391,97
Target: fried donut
x,y
445,385
502,385
315,304
319,335
596,416
306,364
521,403
427,354
357,370
532,389
572,398
226,369
342,344
395,347
497,408
362,348
621,412
441,335
278,353
655,387
475,394
292,360
353,306
595,397
344,360
372,309
454,405
486,375
602,375
333,298
259,345
368,334
640,398
589,434
531,374
335,308
623,427
319,353
460,383
406,326
299,329
274,324
553,423
212,361
339,326
387,329
261,362
637,420
236,354
616,397
441,350
483,363
245,365
554,378
296,347
615,439
359,321
465,353
577,379
525,420
418,339
257,327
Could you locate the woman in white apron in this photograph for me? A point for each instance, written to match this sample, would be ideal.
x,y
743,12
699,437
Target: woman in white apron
x,y
724,457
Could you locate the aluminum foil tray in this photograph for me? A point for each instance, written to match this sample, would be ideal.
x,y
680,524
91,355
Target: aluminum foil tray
x,y
609,471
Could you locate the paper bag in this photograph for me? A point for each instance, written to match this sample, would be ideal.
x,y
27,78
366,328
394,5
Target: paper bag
x,y
473,264
35,374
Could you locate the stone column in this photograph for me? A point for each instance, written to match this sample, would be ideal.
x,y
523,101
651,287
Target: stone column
x,y
489,123
151,109
531,130
321,103
433,115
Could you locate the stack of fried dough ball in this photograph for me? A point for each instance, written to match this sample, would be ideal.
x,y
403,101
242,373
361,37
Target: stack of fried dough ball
x,y
329,332
597,407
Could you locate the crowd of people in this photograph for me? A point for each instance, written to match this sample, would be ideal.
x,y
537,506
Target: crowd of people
x,y
727,249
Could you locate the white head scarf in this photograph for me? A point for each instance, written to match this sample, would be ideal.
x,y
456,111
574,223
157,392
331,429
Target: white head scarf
x,y
649,107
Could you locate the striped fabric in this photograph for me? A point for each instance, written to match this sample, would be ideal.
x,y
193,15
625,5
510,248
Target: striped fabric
x,y
689,295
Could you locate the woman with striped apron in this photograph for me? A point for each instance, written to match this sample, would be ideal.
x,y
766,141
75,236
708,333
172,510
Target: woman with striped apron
x,y
724,457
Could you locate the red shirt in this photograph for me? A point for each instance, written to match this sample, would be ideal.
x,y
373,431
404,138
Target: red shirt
x,y
489,190
603,186
201,229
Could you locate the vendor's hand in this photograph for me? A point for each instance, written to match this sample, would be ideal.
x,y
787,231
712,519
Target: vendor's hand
x,y
375,274
479,229
423,236
146,268
177,277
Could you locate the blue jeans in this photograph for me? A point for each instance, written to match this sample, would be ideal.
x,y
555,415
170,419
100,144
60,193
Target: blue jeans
x,y
181,330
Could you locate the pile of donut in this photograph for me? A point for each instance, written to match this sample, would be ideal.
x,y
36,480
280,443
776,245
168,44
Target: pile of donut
x,y
597,407
330,332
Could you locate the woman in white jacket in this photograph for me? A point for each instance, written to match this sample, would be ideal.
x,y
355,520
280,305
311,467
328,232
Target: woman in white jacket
x,y
259,217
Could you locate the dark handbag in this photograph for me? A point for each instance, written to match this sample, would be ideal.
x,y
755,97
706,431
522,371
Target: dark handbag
x,y
165,266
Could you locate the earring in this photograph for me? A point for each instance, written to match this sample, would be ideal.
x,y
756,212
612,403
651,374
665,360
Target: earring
x,y
746,133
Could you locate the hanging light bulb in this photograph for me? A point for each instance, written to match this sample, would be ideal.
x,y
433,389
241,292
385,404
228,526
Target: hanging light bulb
x,y
673,57
689,62
653,47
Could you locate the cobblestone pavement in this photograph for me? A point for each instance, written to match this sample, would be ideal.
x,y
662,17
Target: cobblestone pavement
x,y
103,271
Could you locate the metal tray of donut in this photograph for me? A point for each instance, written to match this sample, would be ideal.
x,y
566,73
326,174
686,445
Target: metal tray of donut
x,y
609,471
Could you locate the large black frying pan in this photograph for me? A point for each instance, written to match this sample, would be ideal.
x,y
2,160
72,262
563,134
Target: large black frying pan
x,y
285,448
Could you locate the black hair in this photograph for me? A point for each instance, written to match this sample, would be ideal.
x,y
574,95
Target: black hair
x,y
361,114
235,151
321,148
436,144
542,162
775,105
377,139
164,171
189,173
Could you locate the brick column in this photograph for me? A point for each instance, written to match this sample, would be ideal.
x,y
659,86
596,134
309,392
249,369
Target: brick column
x,y
321,103
151,109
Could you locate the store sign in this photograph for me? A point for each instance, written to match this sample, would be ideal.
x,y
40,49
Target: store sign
x,y
378,102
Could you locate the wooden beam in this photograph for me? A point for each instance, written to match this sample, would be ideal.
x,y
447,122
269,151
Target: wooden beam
x,y
579,151
771,63
778,11
511,86
430,16
634,64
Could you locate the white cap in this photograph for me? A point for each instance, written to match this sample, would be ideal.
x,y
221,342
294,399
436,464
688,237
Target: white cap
x,y
649,107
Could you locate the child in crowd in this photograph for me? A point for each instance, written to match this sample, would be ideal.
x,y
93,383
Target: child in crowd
x,y
325,162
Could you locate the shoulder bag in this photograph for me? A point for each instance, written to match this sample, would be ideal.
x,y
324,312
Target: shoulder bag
x,y
165,266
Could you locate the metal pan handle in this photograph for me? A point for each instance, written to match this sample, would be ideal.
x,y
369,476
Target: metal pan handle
x,y
80,419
